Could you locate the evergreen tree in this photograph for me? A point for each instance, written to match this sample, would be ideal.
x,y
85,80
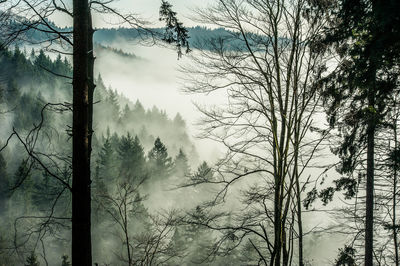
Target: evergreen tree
x,y
346,257
112,100
58,65
198,237
204,172
366,35
32,56
44,189
181,166
178,121
132,160
31,260
126,114
105,166
20,62
65,261
138,109
12,94
160,162
23,180
43,61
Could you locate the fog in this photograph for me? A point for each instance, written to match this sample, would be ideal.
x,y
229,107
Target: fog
x,y
151,75
154,79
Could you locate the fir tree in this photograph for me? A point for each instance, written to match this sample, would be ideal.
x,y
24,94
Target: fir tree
x,y
358,92
160,162
31,260
138,109
131,155
65,261
32,55
178,121
181,166
112,100
204,172
23,180
346,257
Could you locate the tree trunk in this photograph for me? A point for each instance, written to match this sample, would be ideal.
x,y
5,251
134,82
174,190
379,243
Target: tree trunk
x,y
91,84
276,258
299,216
81,202
369,215
394,225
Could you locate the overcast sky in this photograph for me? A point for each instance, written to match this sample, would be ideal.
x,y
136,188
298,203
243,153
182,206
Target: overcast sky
x,y
146,9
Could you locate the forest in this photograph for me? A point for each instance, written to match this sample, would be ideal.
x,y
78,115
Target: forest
x,y
241,132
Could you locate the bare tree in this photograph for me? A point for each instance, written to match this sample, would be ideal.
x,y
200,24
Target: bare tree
x,y
155,247
122,205
268,66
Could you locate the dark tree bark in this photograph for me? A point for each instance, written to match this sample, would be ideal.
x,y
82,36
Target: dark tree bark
x,y
394,225
81,201
369,215
91,84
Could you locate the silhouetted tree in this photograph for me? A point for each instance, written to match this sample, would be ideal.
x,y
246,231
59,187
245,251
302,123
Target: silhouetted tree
x,y
159,161
31,260
346,257
65,261
357,92
181,166
268,69
132,160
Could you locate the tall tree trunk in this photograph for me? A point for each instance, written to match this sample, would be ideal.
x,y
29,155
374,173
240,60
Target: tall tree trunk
x,y
299,224
394,225
81,202
298,200
91,84
369,215
275,256
285,253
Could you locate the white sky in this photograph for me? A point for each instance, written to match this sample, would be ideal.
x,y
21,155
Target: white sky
x,y
146,9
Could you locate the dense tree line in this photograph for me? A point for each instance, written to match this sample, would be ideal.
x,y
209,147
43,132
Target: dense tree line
x,y
129,155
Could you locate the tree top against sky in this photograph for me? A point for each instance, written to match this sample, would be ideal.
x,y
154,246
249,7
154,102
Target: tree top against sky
x,y
148,10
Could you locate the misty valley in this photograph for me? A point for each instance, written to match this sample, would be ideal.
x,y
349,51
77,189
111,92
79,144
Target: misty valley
x,y
223,132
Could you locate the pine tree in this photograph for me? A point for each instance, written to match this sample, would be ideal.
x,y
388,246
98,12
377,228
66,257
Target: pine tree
x,y
181,166
12,94
105,167
204,172
132,160
65,261
23,180
178,121
358,92
42,60
112,100
31,260
58,65
126,113
160,162
32,55
346,257
198,236
138,109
